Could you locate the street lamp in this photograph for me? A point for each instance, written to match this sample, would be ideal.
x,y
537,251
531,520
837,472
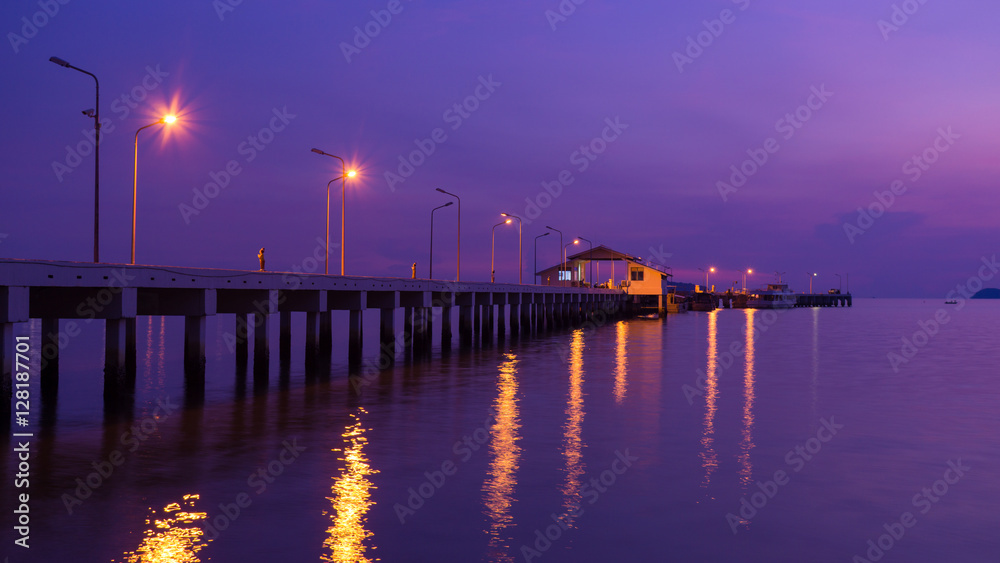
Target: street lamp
x,y
344,174
135,173
712,270
96,114
430,261
520,262
535,274
748,271
566,259
811,276
562,265
493,247
590,257
458,267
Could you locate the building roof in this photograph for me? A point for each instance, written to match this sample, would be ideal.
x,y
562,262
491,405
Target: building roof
x,y
602,253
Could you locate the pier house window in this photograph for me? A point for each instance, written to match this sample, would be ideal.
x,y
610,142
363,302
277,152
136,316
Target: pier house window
x,y
637,274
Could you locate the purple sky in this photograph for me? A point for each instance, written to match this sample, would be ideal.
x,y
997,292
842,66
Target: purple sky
x,y
653,191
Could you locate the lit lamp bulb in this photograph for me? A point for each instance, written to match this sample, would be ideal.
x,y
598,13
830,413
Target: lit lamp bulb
x,y
169,118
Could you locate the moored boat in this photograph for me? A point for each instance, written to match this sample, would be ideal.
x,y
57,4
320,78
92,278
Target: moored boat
x,y
776,296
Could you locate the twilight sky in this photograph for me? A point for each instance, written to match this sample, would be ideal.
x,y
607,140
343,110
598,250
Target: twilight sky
x,y
256,85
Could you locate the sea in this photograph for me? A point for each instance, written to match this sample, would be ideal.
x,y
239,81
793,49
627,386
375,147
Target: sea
x,y
857,434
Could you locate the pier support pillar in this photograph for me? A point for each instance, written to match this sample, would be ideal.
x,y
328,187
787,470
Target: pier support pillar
x,y
446,328
477,322
354,340
326,333
260,343
285,335
408,331
419,328
312,334
49,352
194,340
7,355
387,334
515,319
242,339
426,329
465,325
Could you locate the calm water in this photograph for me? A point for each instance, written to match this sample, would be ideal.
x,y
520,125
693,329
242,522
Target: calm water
x,y
638,441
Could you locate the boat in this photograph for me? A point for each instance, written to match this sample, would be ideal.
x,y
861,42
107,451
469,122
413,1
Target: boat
x,y
701,301
776,296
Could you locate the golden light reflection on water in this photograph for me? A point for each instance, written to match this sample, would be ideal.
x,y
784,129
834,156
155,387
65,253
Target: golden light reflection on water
x,y
621,362
746,444
573,429
505,455
351,500
174,535
709,461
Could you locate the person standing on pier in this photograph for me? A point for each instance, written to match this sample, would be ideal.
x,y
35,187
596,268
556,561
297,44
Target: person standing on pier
x,y
260,256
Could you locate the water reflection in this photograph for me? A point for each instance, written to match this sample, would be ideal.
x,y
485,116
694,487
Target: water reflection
x,y
174,537
709,461
351,499
621,362
505,455
573,429
746,444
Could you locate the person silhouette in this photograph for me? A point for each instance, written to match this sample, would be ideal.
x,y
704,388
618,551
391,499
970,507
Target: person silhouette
x,y
260,256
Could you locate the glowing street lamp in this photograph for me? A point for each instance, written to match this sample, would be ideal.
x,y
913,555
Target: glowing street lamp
x,y
590,257
430,260
710,270
748,271
168,119
96,114
458,266
344,174
520,262
534,276
565,258
811,276
493,247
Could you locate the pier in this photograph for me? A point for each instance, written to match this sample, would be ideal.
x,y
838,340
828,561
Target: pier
x,y
75,292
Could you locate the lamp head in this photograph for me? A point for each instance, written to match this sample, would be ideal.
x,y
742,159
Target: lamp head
x,y
89,112
168,119
317,151
711,270
447,204
59,61
353,173
750,271
508,221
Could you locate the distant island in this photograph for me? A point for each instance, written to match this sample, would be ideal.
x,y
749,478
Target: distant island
x,y
988,293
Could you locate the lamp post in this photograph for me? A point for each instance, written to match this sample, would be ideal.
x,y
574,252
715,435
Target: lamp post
x,y
712,270
430,260
811,276
566,260
458,266
493,247
590,257
535,274
135,174
520,262
748,271
96,114
840,282
344,174
562,265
